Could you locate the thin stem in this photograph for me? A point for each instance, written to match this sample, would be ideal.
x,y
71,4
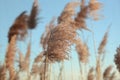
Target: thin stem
x,y
45,68
80,66
71,70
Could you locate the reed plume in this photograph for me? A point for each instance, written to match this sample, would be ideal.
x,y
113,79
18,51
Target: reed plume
x,y
24,22
98,69
3,72
62,36
33,18
91,75
24,61
82,50
44,42
11,51
53,39
40,57
68,12
86,10
36,72
103,43
23,65
117,58
46,35
59,43
94,6
106,73
19,27
81,16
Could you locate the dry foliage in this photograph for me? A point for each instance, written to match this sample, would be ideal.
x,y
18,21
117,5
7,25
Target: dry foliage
x,y
32,19
2,72
82,50
103,43
19,28
117,58
10,55
24,22
56,42
91,75
106,73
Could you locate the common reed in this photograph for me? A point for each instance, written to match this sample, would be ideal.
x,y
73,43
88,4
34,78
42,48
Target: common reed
x,y
19,27
33,18
47,34
80,19
62,36
68,12
56,41
106,74
3,72
98,69
103,43
24,61
39,58
24,22
91,75
117,58
10,55
95,6
82,50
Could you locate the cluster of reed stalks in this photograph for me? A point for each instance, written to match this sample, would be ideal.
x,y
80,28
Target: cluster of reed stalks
x,y
56,41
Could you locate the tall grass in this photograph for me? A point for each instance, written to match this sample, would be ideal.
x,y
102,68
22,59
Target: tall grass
x,y
57,42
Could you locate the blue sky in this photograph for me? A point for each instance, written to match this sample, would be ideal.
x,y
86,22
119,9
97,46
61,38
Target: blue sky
x,y
10,9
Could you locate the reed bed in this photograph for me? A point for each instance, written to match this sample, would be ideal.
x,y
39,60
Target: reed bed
x,y
57,42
